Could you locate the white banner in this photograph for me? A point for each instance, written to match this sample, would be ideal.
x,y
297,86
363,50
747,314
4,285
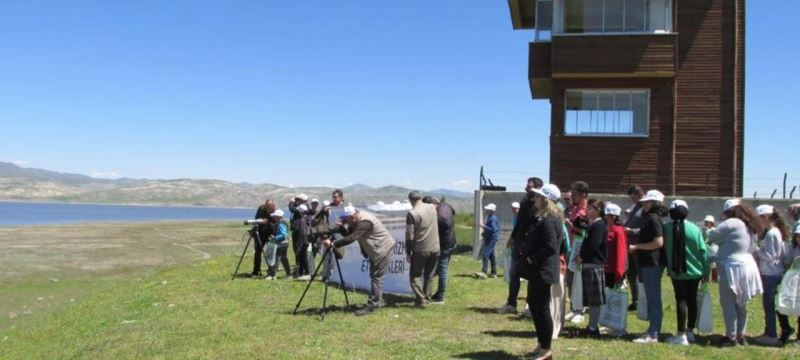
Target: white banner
x,y
355,267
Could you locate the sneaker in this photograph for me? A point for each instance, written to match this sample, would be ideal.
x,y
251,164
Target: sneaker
x,y
480,275
421,304
690,337
796,343
785,335
437,300
569,316
527,311
303,278
728,342
542,355
577,319
507,309
369,309
493,275
632,307
742,341
646,339
269,278
767,340
679,339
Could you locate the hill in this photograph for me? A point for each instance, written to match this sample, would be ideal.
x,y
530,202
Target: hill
x,y
26,184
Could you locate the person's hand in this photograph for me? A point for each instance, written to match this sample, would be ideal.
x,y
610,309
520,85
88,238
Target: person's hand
x,y
408,258
578,259
327,243
632,247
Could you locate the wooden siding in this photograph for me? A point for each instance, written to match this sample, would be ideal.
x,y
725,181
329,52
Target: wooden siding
x,y
610,56
610,164
539,70
709,104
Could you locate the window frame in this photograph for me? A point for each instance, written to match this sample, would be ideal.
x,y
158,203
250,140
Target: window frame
x,y
598,91
559,21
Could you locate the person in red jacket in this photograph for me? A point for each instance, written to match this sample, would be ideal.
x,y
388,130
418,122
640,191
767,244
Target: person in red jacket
x,y
617,246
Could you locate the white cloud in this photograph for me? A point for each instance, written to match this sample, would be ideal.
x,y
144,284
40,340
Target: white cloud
x,y
106,175
20,162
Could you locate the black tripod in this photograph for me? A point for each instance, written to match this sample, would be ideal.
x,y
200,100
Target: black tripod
x,y
325,297
254,235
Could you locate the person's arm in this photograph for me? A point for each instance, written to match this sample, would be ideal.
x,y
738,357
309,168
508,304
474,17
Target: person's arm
x,y
658,241
771,250
409,233
362,228
703,252
621,253
716,233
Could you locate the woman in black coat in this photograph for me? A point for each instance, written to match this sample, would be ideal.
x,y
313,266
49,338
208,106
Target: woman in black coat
x,y
541,265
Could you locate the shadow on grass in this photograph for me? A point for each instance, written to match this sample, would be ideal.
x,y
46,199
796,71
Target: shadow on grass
x,y
481,310
511,333
494,355
462,249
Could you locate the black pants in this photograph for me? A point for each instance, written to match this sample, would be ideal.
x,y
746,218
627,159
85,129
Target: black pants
x,y
299,254
259,249
633,277
611,281
686,299
539,302
783,320
281,257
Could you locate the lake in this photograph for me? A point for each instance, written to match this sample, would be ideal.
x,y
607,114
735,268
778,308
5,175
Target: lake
x,y
25,213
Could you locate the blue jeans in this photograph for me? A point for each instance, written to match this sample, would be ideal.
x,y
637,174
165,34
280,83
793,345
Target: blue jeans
x,y
770,288
488,257
651,277
441,269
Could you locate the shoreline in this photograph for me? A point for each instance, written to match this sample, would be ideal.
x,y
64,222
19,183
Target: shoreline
x,y
165,205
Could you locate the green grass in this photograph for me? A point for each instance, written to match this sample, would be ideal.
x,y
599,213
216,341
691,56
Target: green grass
x,y
194,310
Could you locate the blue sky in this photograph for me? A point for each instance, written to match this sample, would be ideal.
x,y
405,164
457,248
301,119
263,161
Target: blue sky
x,y
412,93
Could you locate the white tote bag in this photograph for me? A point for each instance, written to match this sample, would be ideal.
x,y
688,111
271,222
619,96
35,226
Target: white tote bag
x,y
705,322
577,291
270,253
614,314
788,300
641,303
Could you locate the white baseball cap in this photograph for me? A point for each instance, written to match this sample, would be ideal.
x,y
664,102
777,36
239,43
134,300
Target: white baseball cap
x,y
277,213
326,203
613,209
350,210
491,207
303,197
765,209
653,195
677,203
549,191
314,201
709,218
730,203
515,205
302,208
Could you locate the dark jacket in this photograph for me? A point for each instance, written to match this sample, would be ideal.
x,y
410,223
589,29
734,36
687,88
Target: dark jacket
x,y
594,249
541,261
264,230
297,216
447,232
525,220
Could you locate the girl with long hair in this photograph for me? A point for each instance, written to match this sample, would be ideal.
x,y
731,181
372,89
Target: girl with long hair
x,y
687,264
592,259
770,254
617,245
739,280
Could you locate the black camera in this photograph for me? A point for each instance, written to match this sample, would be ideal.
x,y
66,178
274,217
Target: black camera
x,y
322,231
581,223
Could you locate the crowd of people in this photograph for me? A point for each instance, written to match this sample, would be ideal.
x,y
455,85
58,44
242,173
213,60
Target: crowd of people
x,y
589,247
570,246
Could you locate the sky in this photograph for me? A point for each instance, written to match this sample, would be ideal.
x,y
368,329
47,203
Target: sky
x,y
413,93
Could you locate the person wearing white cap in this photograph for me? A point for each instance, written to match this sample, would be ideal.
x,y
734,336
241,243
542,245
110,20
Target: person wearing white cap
x,y
617,246
541,266
739,280
280,238
792,255
770,254
687,264
648,257
298,238
376,242
490,234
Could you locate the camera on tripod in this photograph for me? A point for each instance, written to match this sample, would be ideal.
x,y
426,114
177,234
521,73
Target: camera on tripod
x,y
323,232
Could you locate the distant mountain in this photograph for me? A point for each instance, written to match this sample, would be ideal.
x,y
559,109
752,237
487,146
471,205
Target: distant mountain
x,y
26,184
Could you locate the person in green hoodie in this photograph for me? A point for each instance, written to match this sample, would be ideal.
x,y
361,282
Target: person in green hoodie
x,y
687,265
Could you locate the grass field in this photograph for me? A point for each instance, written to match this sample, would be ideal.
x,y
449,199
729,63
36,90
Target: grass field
x,y
150,298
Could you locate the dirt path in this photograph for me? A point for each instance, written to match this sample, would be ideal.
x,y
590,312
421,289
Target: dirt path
x,y
203,255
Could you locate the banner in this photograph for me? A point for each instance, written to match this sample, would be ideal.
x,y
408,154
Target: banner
x,y
355,267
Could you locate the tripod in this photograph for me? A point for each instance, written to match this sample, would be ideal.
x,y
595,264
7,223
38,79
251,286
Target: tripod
x,y
254,235
325,297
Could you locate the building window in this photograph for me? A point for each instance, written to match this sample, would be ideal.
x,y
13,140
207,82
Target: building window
x,y
544,20
613,16
607,112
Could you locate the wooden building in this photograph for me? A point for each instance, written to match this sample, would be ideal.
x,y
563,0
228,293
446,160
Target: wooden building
x,y
647,92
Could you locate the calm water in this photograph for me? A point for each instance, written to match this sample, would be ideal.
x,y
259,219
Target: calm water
x,y
17,213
